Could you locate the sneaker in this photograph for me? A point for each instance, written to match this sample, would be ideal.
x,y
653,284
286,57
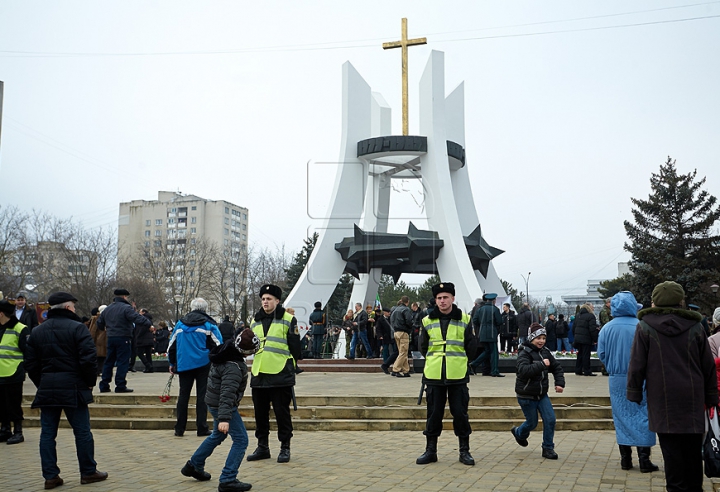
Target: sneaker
x,y
549,454
190,471
98,476
233,486
521,442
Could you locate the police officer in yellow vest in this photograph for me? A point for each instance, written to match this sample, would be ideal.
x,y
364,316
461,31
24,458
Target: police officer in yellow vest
x,y
13,339
448,341
273,372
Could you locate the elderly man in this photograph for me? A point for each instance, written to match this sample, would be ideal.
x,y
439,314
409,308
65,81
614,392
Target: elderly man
x,y
671,359
23,313
119,320
13,337
273,372
194,336
61,363
448,341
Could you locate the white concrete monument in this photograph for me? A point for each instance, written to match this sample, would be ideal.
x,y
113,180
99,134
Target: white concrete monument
x,y
353,237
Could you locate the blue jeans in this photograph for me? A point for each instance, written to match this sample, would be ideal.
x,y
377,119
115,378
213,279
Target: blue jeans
x,y
365,341
564,344
239,437
79,419
118,350
530,409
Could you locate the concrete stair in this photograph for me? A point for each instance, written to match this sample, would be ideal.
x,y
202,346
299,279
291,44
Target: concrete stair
x,y
332,413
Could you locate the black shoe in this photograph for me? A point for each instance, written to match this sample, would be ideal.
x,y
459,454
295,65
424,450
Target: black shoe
x,y
5,434
233,486
179,433
262,452
591,374
98,476
578,374
204,433
104,390
394,374
190,471
403,374
430,454
16,438
132,370
123,390
148,371
385,369
351,358
284,455
53,482
549,454
521,442
297,371
498,375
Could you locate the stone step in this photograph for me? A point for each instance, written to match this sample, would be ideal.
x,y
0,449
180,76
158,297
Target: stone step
x,y
334,413
336,425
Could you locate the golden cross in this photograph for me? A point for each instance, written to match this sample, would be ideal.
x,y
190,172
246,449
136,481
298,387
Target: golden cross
x,y
404,43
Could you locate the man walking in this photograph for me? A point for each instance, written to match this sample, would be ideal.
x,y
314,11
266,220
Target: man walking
x,y
448,341
194,336
118,320
401,320
61,363
317,327
273,372
671,359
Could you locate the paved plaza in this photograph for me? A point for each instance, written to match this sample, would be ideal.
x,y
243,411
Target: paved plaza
x,y
348,461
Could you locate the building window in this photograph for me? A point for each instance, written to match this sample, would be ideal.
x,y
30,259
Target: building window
x,y
227,210
192,241
225,242
158,222
244,216
244,237
193,220
227,232
244,227
147,233
147,244
227,221
158,243
171,221
193,230
158,233
147,223
193,207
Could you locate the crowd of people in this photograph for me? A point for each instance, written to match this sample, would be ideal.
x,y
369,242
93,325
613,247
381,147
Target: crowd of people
x,y
648,354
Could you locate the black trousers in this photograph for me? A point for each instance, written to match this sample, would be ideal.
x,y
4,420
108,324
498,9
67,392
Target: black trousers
x,y
459,397
682,454
11,403
199,377
582,364
506,343
145,354
317,346
280,399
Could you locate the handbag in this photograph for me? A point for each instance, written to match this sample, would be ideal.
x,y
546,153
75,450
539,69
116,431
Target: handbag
x,y
711,446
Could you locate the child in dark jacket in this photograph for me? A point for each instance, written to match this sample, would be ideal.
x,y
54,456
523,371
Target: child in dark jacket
x,y
226,384
531,386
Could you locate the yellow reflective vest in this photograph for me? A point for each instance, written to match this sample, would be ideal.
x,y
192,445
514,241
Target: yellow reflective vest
x,y
10,354
274,351
451,349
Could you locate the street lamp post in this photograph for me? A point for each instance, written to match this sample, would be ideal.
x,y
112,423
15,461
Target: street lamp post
x,y
178,298
527,289
714,288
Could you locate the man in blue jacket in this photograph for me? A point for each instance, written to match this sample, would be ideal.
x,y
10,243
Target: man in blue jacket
x,y
194,336
119,320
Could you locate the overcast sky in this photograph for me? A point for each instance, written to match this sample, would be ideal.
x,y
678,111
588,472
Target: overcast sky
x,y
570,106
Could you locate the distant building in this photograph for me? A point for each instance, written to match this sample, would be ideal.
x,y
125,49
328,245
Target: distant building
x,y
176,221
592,296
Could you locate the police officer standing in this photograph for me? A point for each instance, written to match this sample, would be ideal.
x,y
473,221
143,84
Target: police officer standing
x,y
273,372
317,322
448,341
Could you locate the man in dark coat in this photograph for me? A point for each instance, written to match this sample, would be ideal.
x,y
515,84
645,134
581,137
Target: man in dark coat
x,y
317,329
550,325
13,339
508,331
524,320
119,320
401,320
61,363
24,313
227,329
671,358
586,334
488,320
273,372
145,341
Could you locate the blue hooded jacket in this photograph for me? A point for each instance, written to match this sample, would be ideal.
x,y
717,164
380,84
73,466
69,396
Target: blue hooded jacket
x,y
614,344
192,339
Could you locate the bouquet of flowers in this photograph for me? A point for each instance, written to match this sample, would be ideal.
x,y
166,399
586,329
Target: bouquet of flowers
x,y
165,396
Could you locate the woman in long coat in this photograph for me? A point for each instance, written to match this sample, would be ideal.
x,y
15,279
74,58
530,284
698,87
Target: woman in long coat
x,y
631,420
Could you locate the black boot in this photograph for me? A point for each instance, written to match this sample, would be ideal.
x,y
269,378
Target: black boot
x,y
5,433
262,452
17,436
284,455
465,456
625,457
430,454
646,466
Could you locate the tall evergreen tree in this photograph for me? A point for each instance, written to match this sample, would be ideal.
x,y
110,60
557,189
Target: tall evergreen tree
x,y
672,237
297,266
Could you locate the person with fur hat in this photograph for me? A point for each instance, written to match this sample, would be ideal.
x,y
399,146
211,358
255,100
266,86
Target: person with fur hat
x,y
60,361
273,372
534,362
631,420
317,329
585,330
448,342
13,340
671,359
225,388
